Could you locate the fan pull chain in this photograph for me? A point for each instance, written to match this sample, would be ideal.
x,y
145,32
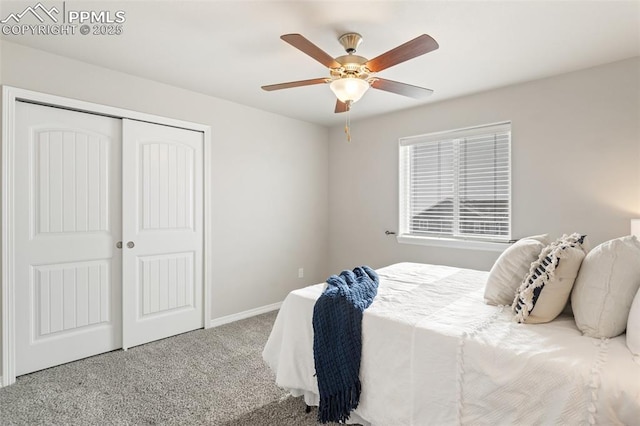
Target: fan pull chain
x,y
347,125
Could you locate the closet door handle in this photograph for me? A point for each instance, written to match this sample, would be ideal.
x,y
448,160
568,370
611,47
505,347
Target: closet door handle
x,y
130,244
119,244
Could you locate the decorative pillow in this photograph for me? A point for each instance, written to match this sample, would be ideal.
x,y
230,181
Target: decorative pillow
x,y
545,290
511,267
633,326
606,285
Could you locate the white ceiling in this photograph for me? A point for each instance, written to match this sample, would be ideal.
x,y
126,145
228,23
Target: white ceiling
x,y
228,49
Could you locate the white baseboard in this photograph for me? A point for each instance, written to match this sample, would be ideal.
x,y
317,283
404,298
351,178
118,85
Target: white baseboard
x,y
242,315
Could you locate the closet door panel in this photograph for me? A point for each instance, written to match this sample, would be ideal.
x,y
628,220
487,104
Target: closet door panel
x,y
162,231
67,267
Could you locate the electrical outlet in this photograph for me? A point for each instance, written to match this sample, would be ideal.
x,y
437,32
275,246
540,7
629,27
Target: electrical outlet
x,y
300,272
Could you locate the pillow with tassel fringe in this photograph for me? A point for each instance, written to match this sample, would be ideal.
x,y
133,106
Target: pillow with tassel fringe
x,y
547,287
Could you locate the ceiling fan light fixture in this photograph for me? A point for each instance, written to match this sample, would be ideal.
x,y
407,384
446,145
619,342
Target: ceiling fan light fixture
x,y
349,89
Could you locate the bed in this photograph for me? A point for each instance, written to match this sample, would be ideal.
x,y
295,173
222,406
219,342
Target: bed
x,y
434,353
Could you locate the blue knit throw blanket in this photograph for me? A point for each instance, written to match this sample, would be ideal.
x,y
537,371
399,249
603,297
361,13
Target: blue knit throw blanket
x,y
337,340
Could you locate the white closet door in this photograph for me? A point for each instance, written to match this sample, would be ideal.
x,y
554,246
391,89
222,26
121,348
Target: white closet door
x,y
162,231
67,222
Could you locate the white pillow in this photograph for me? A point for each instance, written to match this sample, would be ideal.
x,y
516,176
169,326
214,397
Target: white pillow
x,y
633,326
510,269
545,290
606,285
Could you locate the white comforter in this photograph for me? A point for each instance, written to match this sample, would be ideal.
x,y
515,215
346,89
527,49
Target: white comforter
x,y
434,354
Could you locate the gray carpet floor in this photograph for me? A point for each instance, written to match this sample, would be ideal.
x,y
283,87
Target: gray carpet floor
x,y
204,377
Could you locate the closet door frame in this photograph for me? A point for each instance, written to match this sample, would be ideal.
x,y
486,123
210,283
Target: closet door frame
x,y
11,95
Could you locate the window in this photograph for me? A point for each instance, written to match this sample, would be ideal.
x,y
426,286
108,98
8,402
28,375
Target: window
x,y
457,185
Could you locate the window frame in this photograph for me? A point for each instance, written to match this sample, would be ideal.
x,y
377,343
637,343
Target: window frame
x,y
404,199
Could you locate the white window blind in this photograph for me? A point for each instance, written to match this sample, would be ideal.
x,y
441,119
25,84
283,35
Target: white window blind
x,y
457,184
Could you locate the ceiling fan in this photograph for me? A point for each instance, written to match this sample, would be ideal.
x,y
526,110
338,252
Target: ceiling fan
x,y
352,75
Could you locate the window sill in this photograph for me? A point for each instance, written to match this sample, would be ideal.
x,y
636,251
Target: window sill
x,y
452,243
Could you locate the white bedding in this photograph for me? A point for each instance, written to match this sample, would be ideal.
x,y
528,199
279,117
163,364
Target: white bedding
x,y
434,353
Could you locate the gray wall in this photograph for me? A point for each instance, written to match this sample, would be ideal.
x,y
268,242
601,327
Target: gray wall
x,y
575,165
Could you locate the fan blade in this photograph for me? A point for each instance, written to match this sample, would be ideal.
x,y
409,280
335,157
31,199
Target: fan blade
x,y
416,47
401,88
294,84
304,45
341,106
